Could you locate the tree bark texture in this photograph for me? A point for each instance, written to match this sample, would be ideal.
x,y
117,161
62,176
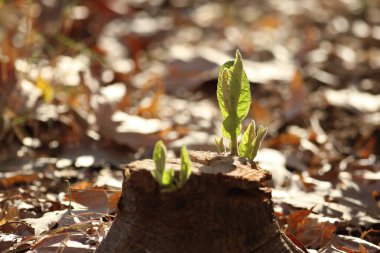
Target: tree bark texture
x,y
225,207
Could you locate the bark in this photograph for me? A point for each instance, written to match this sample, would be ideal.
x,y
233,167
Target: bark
x,y
225,207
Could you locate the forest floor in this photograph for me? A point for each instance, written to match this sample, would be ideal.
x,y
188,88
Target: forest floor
x,y
89,85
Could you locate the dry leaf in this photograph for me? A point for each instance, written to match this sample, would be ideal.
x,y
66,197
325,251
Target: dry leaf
x,y
362,101
17,228
46,222
64,242
113,200
11,179
93,200
309,231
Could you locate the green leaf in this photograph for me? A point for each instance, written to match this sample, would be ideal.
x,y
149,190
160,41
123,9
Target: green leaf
x,y
222,92
240,94
185,167
261,132
226,91
167,177
234,97
246,144
159,156
220,145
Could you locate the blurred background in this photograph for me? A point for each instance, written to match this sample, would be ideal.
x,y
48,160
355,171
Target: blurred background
x,y
87,85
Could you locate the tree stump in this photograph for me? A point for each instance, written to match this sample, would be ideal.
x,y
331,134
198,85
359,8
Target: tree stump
x,y
225,207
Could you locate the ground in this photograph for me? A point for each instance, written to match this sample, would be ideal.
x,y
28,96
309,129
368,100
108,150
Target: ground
x,y
89,85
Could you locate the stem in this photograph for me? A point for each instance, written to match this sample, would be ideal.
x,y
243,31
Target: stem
x,y
69,190
234,146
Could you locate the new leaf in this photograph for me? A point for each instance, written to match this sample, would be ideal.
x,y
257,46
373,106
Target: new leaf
x,y
220,145
159,155
159,158
261,132
185,167
246,144
234,98
166,177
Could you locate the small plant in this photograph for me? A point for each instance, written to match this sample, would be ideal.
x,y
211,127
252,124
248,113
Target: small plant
x,y
165,177
234,97
70,196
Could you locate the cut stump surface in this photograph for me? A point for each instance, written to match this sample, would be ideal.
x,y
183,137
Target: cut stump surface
x,y
225,207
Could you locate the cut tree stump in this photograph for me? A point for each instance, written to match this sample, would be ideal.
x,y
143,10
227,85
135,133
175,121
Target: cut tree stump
x,y
225,207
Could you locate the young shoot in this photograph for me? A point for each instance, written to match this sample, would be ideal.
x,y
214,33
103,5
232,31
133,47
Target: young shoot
x,y
185,172
251,141
234,97
165,177
220,145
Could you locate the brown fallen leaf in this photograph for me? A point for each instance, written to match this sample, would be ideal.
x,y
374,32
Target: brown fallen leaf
x,y
297,242
75,242
284,139
295,218
17,228
8,180
93,200
309,231
354,204
113,201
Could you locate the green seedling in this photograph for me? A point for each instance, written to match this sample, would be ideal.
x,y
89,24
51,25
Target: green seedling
x,y
70,196
251,141
220,145
165,177
162,175
185,168
234,97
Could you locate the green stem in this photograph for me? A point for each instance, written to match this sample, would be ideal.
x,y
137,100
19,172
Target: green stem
x,y
234,145
69,190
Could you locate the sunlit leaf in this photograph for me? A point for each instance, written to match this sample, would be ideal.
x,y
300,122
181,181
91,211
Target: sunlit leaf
x,y
234,98
240,94
222,92
167,177
246,144
261,132
220,145
159,158
185,167
226,91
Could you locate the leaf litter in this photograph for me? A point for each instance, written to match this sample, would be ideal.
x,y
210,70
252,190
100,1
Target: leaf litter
x,y
85,93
